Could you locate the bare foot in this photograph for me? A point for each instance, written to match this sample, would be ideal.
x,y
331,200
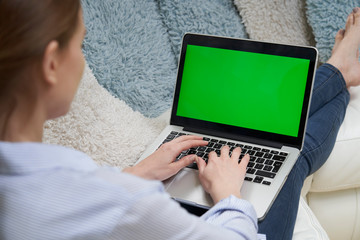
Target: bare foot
x,y
345,54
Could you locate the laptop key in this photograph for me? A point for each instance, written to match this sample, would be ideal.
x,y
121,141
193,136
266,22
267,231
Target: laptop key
x,y
218,146
200,154
209,149
251,152
269,162
201,149
278,158
211,144
265,174
283,154
170,136
258,179
277,164
275,169
266,183
248,179
259,166
192,151
267,168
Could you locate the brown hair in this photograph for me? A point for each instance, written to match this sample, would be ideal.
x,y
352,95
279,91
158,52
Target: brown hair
x,y
26,28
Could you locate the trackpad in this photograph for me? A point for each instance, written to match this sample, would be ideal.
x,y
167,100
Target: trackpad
x,y
187,188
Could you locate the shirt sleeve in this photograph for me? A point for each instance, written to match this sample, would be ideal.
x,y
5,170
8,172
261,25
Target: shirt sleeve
x,y
152,214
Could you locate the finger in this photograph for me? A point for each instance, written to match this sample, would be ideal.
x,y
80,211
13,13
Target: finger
x,y
212,156
225,151
186,138
191,143
244,162
183,162
201,164
236,153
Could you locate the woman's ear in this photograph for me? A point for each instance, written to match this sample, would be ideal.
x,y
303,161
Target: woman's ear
x,y
50,63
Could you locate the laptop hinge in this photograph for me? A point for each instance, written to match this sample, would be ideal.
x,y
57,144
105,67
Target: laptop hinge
x,y
235,137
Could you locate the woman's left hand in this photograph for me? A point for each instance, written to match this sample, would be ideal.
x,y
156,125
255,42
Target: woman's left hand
x,y
161,164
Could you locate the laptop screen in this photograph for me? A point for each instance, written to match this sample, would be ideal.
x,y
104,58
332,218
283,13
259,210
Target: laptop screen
x,y
244,89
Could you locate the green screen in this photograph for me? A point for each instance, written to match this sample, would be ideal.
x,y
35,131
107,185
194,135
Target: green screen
x,y
243,89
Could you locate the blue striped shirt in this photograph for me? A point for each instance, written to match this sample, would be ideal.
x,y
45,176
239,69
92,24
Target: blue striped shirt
x,y
53,192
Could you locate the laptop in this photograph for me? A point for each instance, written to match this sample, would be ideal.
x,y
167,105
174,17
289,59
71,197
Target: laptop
x,y
245,93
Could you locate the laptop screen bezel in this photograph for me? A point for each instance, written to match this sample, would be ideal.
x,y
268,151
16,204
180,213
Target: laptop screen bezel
x,y
239,133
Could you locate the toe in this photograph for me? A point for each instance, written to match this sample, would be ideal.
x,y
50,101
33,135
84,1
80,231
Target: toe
x,y
356,16
338,38
349,21
339,35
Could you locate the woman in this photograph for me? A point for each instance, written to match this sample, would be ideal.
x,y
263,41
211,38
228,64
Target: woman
x,y
51,192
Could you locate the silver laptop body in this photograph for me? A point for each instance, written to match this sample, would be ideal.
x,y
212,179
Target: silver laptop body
x,y
275,77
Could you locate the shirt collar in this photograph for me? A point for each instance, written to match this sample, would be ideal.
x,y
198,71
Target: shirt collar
x,y
31,157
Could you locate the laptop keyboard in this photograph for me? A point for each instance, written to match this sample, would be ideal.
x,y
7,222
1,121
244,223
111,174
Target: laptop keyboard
x,y
263,165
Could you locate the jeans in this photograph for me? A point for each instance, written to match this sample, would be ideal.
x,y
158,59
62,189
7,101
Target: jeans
x,y
327,110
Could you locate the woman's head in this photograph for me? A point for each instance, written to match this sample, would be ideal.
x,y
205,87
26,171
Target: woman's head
x,y
40,46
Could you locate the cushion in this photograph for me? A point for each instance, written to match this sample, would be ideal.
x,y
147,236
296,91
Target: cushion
x,y
338,212
276,21
341,170
307,225
217,17
128,49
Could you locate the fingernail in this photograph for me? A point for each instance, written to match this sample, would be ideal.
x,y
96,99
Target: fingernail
x,y
355,10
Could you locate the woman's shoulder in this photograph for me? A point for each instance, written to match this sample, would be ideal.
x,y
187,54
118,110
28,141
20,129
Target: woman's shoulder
x,y
26,157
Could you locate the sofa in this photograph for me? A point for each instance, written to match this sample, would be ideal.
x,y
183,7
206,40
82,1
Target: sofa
x,y
333,192
123,100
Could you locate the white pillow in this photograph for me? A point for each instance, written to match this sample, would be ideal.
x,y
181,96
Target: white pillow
x,y
341,170
307,225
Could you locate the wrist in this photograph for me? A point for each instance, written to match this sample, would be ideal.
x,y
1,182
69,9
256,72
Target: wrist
x,y
221,193
138,171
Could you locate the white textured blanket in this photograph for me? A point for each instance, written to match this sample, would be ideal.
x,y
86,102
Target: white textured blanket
x,y
103,126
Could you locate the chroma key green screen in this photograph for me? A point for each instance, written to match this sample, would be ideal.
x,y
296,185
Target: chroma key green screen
x,y
244,89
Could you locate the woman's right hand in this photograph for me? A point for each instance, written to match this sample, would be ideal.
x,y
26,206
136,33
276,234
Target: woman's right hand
x,y
223,176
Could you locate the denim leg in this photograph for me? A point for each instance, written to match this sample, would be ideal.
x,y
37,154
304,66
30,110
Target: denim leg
x,y
328,83
329,102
